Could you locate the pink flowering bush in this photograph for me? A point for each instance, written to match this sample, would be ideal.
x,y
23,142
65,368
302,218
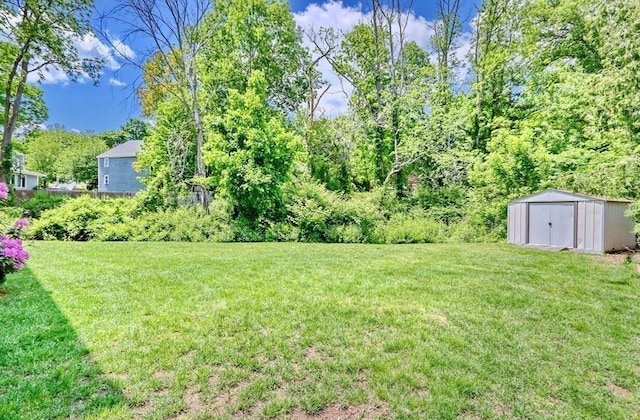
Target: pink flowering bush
x,y
12,253
4,191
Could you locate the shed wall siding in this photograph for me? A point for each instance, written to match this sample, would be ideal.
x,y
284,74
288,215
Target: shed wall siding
x,y
122,176
517,229
590,226
618,228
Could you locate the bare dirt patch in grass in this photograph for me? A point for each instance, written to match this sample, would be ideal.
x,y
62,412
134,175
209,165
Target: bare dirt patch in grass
x,y
617,258
143,410
501,409
213,381
188,356
338,412
555,400
439,318
313,355
637,369
194,404
618,391
229,397
469,416
193,398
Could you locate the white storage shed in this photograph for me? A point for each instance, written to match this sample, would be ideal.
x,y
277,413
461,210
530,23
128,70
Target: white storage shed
x,y
564,219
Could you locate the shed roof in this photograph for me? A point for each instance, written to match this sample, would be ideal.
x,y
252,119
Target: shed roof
x,y
128,149
554,195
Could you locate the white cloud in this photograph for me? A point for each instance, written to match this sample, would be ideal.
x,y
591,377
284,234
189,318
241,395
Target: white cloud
x,y
123,49
115,82
334,14
341,18
88,46
464,44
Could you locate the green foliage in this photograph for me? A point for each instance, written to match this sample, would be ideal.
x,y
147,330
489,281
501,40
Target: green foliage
x,y
415,227
41,201
134,129
36,36
187,224
80,219
65,155
551,101
320,215
250,154
247,36
85,218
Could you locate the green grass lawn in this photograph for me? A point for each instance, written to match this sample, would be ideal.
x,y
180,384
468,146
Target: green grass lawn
x,y
161,330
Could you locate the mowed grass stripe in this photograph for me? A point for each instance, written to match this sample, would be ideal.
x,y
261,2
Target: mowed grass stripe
x,y
295,330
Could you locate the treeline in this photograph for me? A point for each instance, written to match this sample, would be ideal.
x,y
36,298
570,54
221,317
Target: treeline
x,y
550,99
548,96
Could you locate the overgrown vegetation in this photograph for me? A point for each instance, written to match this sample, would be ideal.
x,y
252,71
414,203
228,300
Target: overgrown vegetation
x,y
545,103
312,215
425,147
148,330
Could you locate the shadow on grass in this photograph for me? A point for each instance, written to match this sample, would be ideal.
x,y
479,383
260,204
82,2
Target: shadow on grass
x,y
45,370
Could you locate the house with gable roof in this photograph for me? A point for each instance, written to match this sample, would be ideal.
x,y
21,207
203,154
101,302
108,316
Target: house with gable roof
x,y
115,168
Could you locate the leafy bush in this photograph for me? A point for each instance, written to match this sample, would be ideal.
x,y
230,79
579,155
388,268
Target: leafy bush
x,y
41,201
319,215
8,216
415,227
82,219
188,224
86,218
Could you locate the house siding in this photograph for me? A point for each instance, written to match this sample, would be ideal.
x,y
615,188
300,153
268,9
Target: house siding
x,y
31,182
122,176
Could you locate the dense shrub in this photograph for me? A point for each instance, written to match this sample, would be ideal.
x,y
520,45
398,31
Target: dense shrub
x,y
86,218
314,214
415,227
319,215
41,201
8,216
81,219
189,224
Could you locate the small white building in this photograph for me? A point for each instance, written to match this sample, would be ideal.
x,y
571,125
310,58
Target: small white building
x,y
564,219
24,179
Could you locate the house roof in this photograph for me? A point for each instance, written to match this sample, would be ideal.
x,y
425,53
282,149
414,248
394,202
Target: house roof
x,y
128,149
552,195
32,173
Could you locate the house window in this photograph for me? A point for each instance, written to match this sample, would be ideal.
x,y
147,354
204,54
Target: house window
x,y
22,181
106,163
106,180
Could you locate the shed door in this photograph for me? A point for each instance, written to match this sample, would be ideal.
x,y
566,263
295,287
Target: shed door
x,y
551,224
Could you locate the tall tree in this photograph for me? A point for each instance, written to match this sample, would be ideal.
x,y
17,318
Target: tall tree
x,y
251,152
173,29
497,67
36,35
391,78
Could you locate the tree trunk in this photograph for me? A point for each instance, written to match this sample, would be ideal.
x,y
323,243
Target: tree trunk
x,y
11,110
200,169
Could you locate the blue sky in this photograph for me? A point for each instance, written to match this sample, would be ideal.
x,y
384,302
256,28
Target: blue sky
x,y
85,107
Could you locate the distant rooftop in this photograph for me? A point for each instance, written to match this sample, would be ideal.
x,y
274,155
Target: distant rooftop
x,y
128,149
